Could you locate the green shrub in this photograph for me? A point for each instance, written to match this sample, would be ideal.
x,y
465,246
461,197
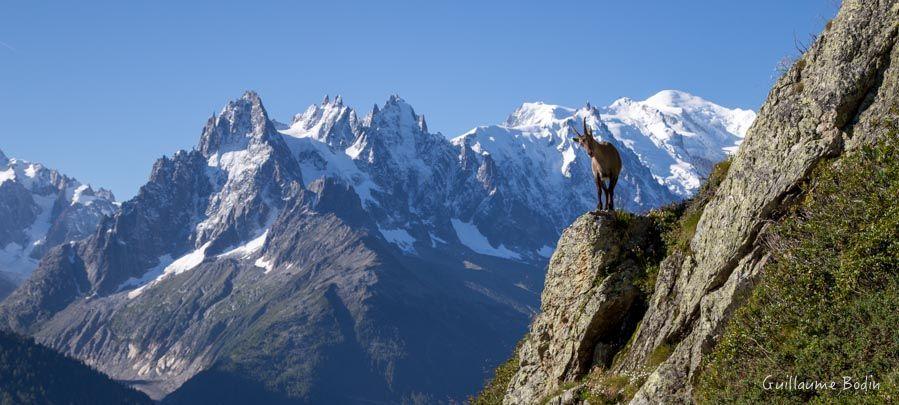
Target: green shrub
x,y
827,304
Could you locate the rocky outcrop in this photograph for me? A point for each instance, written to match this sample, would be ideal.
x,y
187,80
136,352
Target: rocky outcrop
x,y
589,304
834,99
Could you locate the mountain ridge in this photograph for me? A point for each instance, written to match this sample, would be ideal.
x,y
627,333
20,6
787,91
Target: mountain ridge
x,y
41,208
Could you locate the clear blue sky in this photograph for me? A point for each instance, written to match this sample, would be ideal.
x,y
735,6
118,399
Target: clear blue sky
x,y
100,89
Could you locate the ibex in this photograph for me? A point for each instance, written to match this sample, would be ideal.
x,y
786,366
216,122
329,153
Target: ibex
x,y
606,164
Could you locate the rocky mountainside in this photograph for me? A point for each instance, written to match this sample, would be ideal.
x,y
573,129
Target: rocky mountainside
x,y
291,259
837,98
39,209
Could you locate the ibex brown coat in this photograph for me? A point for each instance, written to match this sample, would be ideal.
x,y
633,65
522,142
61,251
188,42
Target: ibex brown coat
x,y
606,164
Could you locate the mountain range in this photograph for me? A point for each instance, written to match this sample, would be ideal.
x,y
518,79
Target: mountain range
x,y
39,209
335,258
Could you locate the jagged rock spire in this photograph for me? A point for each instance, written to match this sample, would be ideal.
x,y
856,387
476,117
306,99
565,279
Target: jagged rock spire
x,y
238,121
397,116
422,124
330,122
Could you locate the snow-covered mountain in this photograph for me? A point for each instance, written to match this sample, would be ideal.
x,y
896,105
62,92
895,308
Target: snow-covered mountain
x,y
678,136
328,241
330,122
493,177
39,209
535,163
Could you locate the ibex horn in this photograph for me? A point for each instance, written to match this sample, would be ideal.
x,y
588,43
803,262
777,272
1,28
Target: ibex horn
x,y
586,130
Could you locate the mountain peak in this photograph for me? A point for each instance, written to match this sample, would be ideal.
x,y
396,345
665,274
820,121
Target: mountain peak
x,y
589,110
338,101
422,124
621,102
239,120
676,99
393,130
251,96
331,123
537,114
397,114
248,109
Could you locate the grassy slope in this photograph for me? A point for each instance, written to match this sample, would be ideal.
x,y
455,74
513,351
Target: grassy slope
x,y
828,303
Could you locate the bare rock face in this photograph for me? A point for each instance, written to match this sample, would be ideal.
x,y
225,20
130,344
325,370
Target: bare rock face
x,y
588,306
829,102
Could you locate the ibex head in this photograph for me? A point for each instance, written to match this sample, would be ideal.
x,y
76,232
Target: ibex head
x,y
586,139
